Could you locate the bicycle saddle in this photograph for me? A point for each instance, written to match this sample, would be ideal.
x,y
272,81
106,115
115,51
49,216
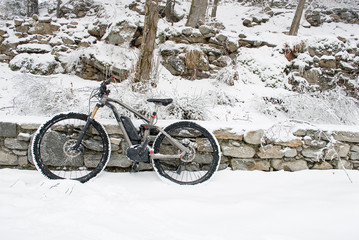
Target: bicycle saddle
x,y
163,101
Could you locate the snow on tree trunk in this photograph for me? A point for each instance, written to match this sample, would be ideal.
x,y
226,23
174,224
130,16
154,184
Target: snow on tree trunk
x,y
296,20
144,64
32,7
197,13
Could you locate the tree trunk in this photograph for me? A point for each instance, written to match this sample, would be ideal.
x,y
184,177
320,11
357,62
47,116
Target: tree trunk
x,y
214,9
144,64
170,10
296,20
32,7
197,13
58,8
271,4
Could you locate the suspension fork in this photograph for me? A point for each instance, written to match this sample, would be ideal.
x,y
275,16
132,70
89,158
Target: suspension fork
x,y
90,120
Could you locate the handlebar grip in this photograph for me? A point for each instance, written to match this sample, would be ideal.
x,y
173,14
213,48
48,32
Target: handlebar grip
x,y
107,82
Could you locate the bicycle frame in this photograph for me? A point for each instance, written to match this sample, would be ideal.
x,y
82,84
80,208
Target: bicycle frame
x,y
106,101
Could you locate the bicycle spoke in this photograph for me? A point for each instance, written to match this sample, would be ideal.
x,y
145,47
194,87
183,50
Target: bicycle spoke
x,y
198,164
54,153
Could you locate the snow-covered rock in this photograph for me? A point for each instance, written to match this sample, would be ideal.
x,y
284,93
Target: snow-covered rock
x,y
43,64
34,48
120,32
79,8
98,29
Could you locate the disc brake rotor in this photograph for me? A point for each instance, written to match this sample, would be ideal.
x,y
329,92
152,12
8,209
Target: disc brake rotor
x,y
68,149
190,156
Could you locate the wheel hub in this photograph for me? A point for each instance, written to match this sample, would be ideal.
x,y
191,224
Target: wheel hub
x,y
68,149
189,156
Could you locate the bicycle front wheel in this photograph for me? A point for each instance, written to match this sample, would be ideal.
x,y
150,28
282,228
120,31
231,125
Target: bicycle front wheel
x,y
196,166
53,149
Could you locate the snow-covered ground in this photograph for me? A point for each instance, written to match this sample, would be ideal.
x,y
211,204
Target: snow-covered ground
x,y
255,205
235,204
259,95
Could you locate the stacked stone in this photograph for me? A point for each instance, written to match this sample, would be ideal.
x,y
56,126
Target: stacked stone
x,y
40,45
308,150
318,17
216,49
79,9
250,150
328,64
14,144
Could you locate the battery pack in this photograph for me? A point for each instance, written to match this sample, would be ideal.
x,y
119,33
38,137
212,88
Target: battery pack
x,y
131,130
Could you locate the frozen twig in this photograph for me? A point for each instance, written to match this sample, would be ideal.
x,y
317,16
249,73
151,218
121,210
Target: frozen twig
x,y
284,131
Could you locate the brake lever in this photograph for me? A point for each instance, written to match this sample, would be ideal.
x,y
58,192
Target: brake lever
x,y
103,87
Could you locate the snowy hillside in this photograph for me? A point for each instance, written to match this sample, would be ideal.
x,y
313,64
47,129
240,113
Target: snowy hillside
x,y
254,87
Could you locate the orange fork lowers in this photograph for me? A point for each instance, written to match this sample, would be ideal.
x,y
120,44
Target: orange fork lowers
x,y
94,112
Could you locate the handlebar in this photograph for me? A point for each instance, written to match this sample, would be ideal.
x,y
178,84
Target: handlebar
x,y
108,81
103,87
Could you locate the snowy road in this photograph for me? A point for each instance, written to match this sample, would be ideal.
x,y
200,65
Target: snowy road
x,y
235,205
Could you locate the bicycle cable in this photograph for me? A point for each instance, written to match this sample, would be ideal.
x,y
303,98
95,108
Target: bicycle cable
x,y
93,94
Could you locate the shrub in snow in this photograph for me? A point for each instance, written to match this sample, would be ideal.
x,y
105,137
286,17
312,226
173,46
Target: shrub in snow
x,y
189,107
35,97
43,64
264,64
331,107
224,98
227,75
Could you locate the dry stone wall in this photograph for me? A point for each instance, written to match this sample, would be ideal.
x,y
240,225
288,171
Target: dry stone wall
x,y
325,65
42,44
250,150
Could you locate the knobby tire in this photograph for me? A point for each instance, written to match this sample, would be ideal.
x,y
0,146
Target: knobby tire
x,y
52,148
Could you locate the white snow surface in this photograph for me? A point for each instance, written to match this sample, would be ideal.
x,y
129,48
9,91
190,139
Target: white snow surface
x,y
234,204
246,205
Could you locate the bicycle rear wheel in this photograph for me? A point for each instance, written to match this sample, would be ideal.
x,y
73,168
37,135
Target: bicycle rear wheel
x,y
53,153
195,167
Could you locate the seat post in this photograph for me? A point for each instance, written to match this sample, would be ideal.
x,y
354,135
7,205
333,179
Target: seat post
x,y
154,114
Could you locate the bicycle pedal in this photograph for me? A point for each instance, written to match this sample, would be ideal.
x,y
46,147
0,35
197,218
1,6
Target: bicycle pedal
x,y
135,167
